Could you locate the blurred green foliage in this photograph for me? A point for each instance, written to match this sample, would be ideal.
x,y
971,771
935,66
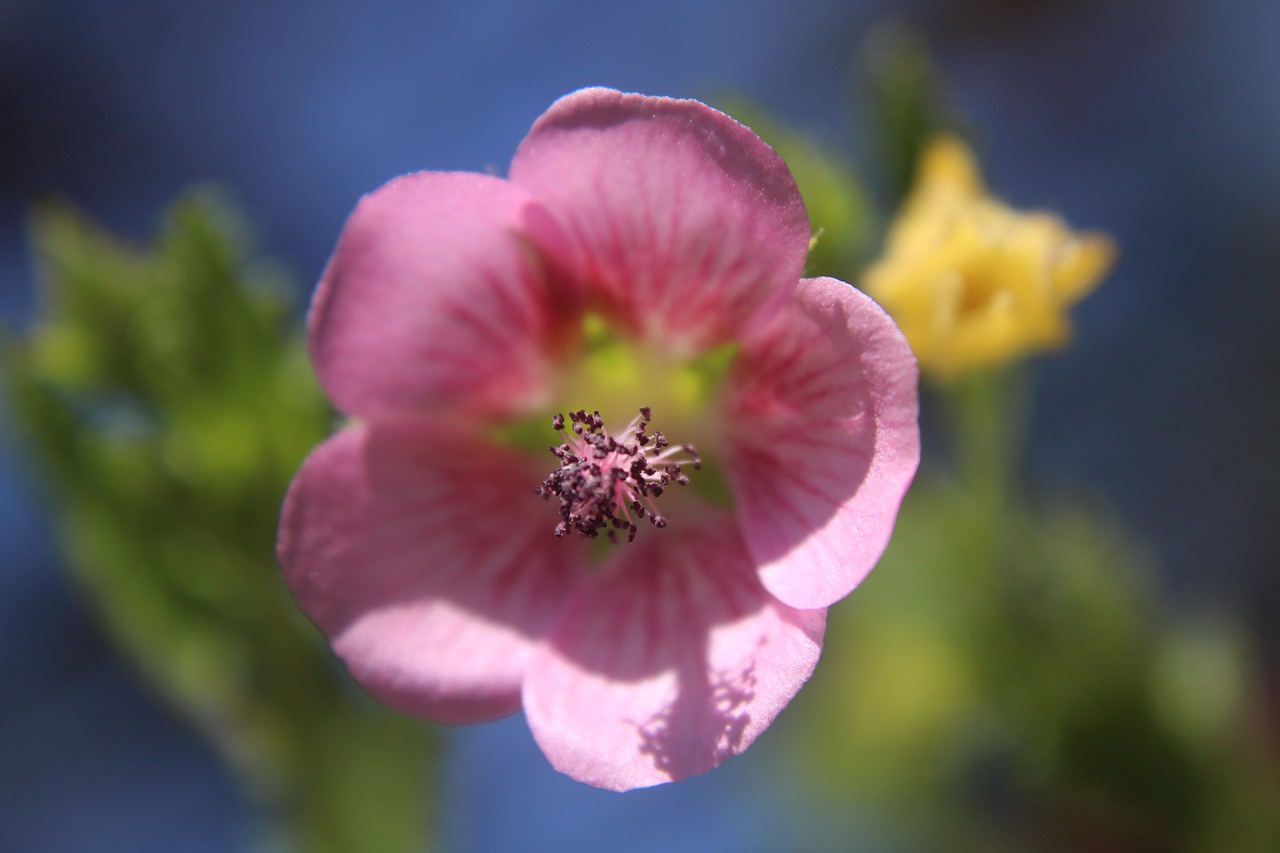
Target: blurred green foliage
x,y
166,399
905,104
1006,679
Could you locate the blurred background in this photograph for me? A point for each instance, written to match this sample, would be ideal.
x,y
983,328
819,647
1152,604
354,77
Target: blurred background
x,y
1155,122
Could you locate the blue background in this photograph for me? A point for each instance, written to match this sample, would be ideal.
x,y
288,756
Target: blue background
x,y
1155,121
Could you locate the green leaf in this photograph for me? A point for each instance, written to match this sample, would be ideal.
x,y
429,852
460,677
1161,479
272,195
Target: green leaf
x,y
165,396
906,104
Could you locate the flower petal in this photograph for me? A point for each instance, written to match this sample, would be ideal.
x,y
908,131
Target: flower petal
x,y
667,662
442,291
429,563
688,224
823,441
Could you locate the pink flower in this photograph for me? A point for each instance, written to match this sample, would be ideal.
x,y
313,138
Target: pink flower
x,y
644,252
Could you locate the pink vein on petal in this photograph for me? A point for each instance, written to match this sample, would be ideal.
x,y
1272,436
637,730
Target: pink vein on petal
x,y
445,289
388,542
823,442
685,222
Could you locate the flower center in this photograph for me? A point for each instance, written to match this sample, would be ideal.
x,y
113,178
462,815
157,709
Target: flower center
x,y
610,484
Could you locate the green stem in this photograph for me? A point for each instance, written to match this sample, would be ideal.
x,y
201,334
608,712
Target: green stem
x,y
989,415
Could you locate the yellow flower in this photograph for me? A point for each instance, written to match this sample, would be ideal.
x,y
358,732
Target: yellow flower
x,y
974,283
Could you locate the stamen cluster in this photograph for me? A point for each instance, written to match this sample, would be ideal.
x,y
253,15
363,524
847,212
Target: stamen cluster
x,y
606,483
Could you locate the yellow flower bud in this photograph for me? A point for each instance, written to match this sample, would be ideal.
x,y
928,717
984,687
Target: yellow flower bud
x,y
972,282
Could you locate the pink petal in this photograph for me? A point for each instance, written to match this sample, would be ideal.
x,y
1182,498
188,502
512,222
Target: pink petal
x,y
823,441
441,292
429,563
667,662
688,224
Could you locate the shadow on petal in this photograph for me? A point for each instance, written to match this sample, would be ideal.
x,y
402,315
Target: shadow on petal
x,y
705,724
672,659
